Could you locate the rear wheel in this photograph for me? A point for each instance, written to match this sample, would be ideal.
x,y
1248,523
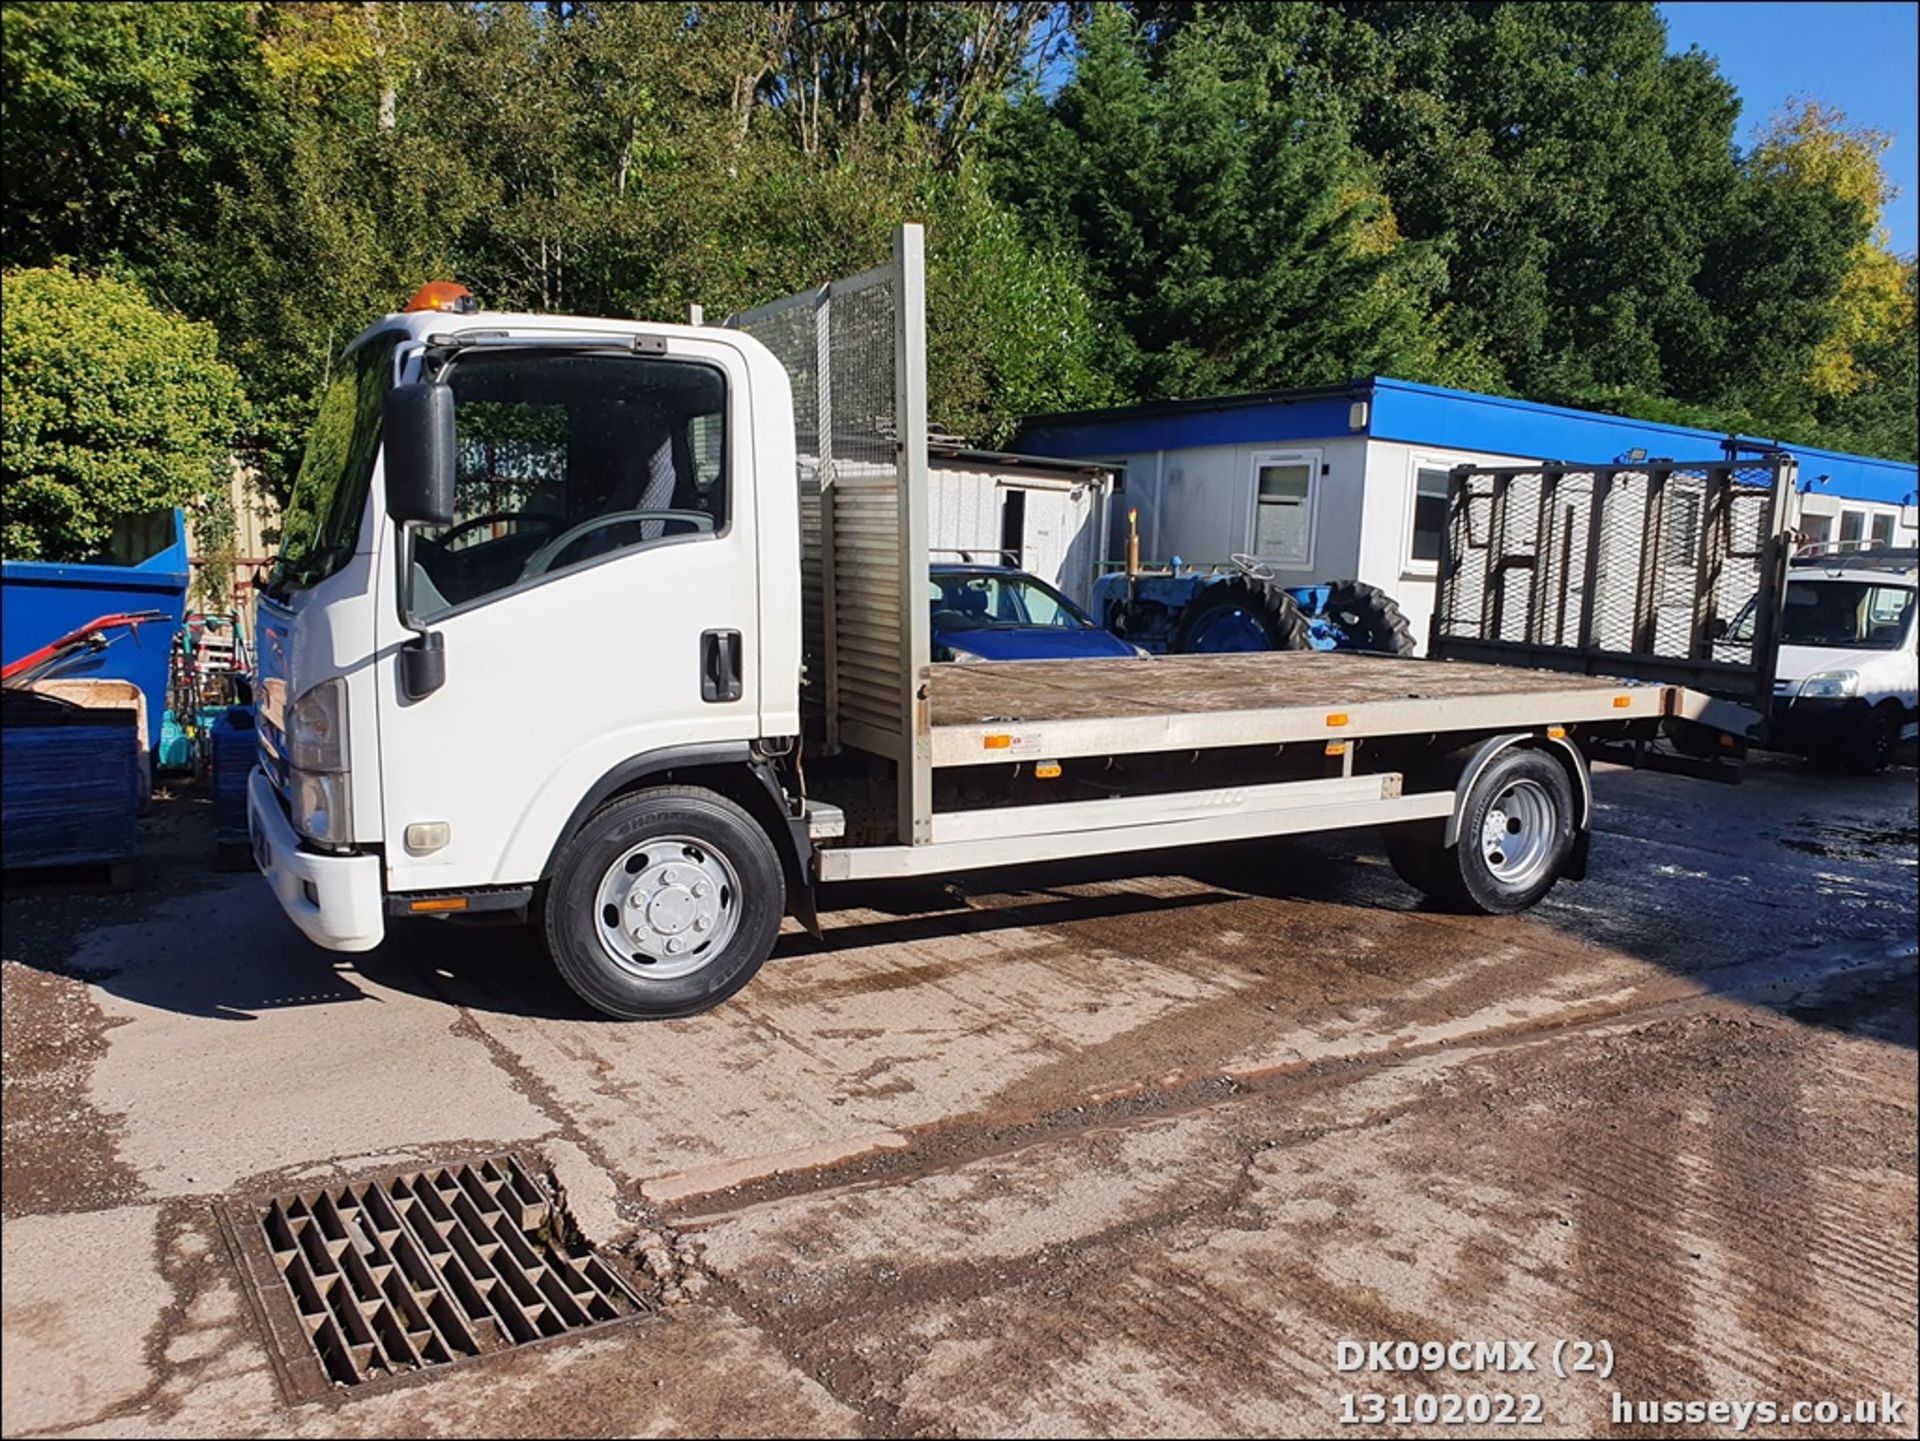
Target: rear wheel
x,y
1516,834
664,904
1242,614
1369,619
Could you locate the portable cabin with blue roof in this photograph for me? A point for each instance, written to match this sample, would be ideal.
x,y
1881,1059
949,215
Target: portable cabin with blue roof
x,y
1350,481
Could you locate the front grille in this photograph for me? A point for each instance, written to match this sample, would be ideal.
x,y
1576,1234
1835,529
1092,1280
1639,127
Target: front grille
x,y
273,752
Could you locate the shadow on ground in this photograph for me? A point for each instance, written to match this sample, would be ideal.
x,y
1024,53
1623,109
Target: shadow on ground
x,y
1699,879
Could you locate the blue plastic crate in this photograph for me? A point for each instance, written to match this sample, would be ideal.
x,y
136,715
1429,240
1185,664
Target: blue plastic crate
x,y
234,750
70,783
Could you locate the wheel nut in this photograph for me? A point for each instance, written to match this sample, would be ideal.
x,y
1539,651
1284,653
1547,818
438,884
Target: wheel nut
x,y
636,898
699,888
674,943
669,875
701,923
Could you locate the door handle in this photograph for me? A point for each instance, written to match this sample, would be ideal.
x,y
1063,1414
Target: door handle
x,y
719,665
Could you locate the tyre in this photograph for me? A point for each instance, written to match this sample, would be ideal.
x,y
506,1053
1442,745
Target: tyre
x,y
1868,749
1242,614
1369,619
663,904
1516,833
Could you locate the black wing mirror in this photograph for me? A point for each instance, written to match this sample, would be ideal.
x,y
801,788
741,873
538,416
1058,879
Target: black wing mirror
x,y
419,451
419,460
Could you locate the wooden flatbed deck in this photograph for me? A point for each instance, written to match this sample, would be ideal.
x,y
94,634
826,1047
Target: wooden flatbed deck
x,y
991,712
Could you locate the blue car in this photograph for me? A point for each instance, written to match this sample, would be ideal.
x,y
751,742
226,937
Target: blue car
x,y
993,612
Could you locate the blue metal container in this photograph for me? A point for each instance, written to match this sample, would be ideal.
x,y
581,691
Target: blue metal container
x,y
40,601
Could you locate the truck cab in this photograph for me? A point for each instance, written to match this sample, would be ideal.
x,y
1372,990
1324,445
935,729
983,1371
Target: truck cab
x,y
612,580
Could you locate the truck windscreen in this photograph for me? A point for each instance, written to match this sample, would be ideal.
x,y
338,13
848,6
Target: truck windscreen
x,y
322,523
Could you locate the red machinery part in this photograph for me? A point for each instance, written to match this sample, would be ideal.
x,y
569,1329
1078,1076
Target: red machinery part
x,y
31,665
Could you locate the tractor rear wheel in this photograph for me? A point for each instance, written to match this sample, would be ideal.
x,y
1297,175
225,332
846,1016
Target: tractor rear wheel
x,y
1369,619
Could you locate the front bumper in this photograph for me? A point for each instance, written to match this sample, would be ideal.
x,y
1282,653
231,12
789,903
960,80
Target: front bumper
x,y
1814,723
336,900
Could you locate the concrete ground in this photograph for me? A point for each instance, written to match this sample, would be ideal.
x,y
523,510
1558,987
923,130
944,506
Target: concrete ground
x,y
1060,1152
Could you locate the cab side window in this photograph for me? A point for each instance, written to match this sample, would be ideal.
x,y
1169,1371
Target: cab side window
x,y
565,458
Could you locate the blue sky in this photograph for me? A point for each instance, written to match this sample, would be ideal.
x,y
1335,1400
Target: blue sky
x,y
1857,57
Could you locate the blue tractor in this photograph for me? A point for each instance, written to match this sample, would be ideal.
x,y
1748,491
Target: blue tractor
x,y
1186,610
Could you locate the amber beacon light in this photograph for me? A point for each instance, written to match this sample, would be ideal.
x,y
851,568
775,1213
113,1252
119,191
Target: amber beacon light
x,y
445,295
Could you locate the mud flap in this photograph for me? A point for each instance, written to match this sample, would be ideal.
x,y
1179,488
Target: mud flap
x,y
1576,866
801,907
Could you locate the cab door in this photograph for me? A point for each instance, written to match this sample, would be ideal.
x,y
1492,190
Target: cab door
x,y
596,598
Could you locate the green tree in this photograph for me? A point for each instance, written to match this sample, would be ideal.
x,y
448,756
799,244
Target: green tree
x,y
1228,227
1561,162
1012,330
1859,376
112,407
123,123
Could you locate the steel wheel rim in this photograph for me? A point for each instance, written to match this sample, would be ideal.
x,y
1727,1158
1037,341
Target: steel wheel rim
x,y
666,907
1518,834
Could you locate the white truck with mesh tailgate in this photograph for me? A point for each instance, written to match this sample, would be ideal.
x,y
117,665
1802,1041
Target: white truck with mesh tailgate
x,y
555,635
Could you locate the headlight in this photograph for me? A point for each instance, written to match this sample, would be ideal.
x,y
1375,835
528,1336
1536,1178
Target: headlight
x,y
322,810
1831,684
317,728
1140,652
317,764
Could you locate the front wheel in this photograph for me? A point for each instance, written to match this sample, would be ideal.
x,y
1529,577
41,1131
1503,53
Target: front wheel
x,y
664,904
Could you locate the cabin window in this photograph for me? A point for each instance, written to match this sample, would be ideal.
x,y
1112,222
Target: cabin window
x,y
1429,514
1283,507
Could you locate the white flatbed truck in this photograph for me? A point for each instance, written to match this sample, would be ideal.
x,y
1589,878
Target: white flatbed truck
x,y
555,636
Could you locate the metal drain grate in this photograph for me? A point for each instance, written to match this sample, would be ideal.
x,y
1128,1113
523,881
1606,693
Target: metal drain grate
x,y
425,1267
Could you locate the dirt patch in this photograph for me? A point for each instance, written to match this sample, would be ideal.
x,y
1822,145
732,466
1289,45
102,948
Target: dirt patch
x,y
60,1152
1681,1184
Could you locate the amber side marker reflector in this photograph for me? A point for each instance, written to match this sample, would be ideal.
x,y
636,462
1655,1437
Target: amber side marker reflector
x,y
1338,718
1621,702
439,903
1046,770
1336,748
1558,733
998,743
